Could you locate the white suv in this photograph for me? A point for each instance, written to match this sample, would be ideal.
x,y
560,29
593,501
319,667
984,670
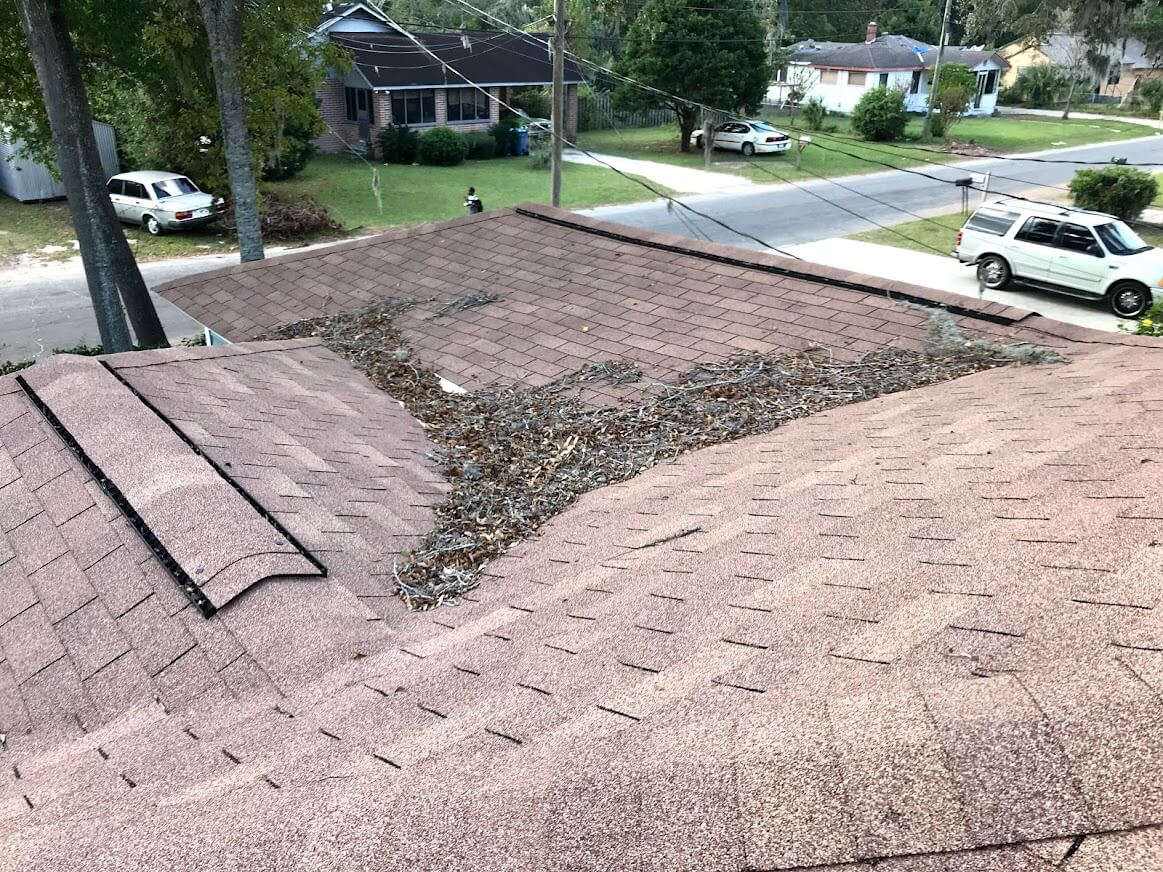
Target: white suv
x,y
1056,248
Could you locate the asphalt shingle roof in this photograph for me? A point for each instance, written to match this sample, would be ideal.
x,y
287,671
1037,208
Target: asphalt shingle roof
x,y
392,60
920,630
574,290
920,627
888,52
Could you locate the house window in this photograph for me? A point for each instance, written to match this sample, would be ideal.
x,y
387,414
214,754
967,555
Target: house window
x,y
915,84
1115,76
781,75
414,107
467,104
857,79
359,104
884,80
829,77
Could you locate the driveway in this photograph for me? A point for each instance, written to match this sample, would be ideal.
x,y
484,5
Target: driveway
x,y
681,180
47,305
946,274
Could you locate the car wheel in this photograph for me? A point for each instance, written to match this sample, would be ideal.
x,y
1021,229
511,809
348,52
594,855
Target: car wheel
x,y
993,272
152,226
1129,299
748,149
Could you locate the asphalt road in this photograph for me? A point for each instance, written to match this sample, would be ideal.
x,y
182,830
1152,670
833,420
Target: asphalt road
x,y
46,305
822,209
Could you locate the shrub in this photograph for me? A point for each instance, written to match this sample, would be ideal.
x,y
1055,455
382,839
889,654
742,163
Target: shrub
x,y
481,146
540,154
442,147
1040,84
1118,190
534,102
880,115
399,144
937,126
814,113
1150,94
1151,324
503,134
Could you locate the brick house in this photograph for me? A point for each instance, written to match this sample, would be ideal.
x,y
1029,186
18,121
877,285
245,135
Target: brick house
x,y
392,81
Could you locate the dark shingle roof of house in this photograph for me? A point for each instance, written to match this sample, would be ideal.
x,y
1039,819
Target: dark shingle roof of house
x,y
392,60
888,52
922,628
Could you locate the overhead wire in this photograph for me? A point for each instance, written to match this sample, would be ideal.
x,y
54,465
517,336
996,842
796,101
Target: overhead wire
x,y
669,198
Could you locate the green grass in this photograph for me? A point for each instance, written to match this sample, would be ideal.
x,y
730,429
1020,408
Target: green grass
x,y
941,233
344,185
27,228
413,194
835,154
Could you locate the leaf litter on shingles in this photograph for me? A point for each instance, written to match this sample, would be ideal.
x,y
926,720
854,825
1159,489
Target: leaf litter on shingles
x,y
516,456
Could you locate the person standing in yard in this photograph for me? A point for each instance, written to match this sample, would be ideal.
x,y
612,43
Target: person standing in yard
x,y
472,202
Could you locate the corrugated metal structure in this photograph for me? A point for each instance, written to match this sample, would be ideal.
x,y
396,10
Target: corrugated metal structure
x,y
26,180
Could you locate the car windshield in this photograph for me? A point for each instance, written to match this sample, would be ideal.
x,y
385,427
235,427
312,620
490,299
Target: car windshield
x,y
1120,239
762,125
174,187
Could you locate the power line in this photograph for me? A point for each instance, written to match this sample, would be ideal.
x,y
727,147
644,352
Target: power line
x,y
449,68
712,109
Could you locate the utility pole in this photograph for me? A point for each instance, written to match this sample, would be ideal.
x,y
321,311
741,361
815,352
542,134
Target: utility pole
x,y
558,114
927,130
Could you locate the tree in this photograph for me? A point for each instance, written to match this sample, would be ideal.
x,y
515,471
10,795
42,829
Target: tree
x,y
110,269
148,72
1148,29
224,30
918,19
713,53
954,91
1099,22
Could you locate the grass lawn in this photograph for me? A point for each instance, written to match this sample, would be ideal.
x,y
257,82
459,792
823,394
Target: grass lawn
x,y
344,185
27,228
826,158
412,194
941,233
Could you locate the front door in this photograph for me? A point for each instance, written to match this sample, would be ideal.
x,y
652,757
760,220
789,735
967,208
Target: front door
x,y
1033,249
1079,262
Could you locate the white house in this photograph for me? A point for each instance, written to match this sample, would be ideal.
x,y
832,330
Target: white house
x,y
839,73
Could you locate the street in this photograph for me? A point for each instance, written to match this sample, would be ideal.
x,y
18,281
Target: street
x,y
783,215
47,305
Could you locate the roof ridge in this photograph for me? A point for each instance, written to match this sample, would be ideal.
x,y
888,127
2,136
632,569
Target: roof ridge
x,y
348,245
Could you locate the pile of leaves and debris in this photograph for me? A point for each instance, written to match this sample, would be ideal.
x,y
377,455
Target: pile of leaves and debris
x,y
516,456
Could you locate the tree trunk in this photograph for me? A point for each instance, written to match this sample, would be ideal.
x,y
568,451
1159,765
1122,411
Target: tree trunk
x,y
686,126
109,264
1069,98
223,21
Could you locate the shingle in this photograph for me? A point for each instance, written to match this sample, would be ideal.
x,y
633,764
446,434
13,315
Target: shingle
x,y
30,643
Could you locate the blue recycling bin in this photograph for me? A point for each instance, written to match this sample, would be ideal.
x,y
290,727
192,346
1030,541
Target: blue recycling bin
x,y
522,145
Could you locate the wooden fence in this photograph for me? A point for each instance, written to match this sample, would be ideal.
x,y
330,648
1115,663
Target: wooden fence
x,y
596,112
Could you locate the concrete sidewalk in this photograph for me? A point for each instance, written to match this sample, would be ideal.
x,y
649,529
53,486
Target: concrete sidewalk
x,y
1081,116
681,180
946,274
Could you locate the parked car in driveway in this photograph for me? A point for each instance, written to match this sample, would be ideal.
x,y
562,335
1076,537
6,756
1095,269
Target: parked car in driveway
x,y
1070,251
748,137
161,201
539,128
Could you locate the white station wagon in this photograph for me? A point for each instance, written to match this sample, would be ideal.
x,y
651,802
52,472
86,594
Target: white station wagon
x,y
160,201
1070,251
